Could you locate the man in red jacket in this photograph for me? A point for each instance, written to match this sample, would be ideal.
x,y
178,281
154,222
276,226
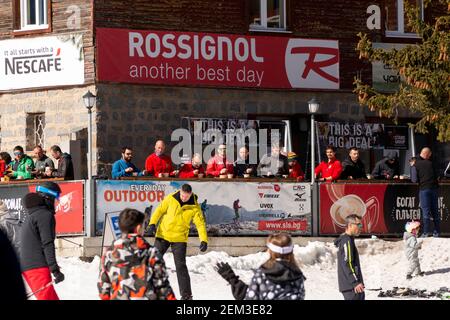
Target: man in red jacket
x,y
193,169
158,163
295,169
219,164
330,170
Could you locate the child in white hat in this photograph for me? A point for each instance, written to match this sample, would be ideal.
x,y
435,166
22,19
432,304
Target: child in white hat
x,y
412,246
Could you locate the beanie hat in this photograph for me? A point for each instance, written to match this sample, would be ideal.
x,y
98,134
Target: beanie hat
x,y
292,156
411,225
50,189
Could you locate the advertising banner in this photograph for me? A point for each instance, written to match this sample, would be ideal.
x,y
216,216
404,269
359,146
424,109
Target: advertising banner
x,y
229,208
208,59
363,136
384,208
41,62
384,78
69,209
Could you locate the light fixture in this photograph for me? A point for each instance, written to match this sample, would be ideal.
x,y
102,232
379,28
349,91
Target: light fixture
x,y
313,105
89,100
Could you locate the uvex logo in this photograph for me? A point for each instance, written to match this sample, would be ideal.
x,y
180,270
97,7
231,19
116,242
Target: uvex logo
x,y
266,205
312,63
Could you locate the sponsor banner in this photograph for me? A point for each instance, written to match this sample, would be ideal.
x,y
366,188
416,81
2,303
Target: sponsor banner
x,y
41,62
229,208
384,208
69,208
189,58
363,136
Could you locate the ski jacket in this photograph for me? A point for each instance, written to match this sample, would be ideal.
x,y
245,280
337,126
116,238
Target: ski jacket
x,y
187,171
328,169
118,169
154,165
23,167
132,269
356,170
277,165
349,268
175,217
10,224
383,167
65,168
37,235
412,246
241,166
217,163
2,168
282,281
44,162
297,172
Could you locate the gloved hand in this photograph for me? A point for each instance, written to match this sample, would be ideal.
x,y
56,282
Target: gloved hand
x,y
203,246
58,275
224,269
151,230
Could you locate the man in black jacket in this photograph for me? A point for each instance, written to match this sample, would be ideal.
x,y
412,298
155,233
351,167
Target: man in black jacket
x,y
426,175
37,254
351,283
387,168
65,165
353,167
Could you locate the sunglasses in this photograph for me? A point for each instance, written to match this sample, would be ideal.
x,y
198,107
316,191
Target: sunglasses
x,y
18,153
360,225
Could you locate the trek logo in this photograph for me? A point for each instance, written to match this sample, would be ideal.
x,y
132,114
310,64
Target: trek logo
x,y
266,205
300,196
35,63
312,63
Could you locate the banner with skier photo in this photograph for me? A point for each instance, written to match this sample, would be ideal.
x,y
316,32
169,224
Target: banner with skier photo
x,y
229,208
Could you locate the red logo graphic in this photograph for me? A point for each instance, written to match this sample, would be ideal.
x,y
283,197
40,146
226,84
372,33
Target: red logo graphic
x,y
261,195
276,187
312,65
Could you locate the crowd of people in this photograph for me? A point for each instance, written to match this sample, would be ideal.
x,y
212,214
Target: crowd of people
x,y
23,167
275,164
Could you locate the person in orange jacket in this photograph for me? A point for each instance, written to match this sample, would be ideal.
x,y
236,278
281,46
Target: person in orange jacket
x,y
295,169
158,163
219,164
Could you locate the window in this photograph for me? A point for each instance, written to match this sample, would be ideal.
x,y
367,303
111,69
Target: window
x,y
396,19
35,130
31,14
268,15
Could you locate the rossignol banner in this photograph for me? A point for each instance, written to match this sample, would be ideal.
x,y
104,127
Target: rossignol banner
x,y
384,208
229,208
41,62
69,208
188,58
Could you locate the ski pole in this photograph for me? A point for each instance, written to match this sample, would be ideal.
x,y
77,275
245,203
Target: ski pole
x,y
39,290
79,245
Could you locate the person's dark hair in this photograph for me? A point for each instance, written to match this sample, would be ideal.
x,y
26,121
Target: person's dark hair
x,y
5,156
56,148
125,148
186,188
281,240
38,147
353,149
129,219
18,148
330,147
353,218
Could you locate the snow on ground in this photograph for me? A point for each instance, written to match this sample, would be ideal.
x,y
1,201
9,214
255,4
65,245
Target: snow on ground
x,y
383,264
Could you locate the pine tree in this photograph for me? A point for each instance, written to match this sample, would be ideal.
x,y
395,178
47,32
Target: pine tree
x,y
425,71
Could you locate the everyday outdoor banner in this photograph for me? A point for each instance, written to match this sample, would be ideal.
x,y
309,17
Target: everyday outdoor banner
x,y
385,208
229,208
69,208
188,58
41,62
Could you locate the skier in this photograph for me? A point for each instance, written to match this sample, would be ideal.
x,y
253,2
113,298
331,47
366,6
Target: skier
x,y
236,208
279,278
132,268
204,206
412,246
351,283
37,237
174,215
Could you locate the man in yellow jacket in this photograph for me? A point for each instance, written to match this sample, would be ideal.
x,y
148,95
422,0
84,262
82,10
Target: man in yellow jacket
x,y
174,215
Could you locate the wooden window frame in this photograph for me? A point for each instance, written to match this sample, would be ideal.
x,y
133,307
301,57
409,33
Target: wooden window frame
x,y
17,22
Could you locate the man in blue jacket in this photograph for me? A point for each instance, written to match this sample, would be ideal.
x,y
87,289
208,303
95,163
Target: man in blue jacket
x,y
351,283
124,167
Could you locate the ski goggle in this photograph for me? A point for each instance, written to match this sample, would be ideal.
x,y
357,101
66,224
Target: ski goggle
x,y
54,194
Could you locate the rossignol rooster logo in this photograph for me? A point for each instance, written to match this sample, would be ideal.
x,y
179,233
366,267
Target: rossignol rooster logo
x,y
65,203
